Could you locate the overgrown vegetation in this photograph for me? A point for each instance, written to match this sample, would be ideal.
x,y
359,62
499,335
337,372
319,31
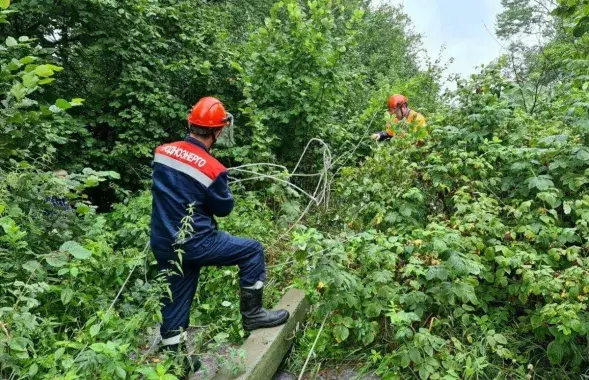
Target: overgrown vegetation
x,y
464,256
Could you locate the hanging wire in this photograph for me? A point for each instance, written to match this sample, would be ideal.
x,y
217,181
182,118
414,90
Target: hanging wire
x,y
322,190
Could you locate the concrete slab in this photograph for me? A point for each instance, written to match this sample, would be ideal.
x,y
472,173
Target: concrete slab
x,y
265,348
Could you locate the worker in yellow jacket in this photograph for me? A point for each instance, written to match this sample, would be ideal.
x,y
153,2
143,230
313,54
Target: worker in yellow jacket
x,y
398,106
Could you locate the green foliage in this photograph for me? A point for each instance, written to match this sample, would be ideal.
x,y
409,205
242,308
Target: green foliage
x,y
576,13
23,118
456,252
525,17
139,65
288,71
295,75
94,89
450,258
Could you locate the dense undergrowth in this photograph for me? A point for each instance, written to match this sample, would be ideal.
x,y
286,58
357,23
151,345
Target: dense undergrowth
x,y
456,254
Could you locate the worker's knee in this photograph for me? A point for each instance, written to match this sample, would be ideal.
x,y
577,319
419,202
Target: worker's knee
x,y
258,249
253,269
256,254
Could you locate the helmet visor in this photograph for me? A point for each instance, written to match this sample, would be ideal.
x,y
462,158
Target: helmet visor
x,y
227,140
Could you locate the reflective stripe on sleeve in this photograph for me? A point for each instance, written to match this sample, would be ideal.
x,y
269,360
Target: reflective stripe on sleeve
x,y
184,168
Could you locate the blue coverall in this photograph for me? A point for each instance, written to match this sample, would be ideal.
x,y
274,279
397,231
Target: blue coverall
x,y
185,174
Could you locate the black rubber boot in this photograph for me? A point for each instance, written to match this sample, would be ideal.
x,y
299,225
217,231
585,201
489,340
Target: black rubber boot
x,y
254,316
189,363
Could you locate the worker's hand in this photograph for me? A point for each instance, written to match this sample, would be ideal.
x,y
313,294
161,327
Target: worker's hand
x,y
375,136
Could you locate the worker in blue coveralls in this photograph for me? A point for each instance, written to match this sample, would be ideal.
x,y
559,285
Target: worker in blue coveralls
x,y
188,180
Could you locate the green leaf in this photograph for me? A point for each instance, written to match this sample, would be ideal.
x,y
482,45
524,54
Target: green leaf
x,y
439,245
373,310
582,153
54,68
77,101
437,271
341,333
546,219
456,264
82,208
76,250
19,91
66,295
500,339
18,343
59,353
7,224
368,338
237,66
56,259
555,352
94,330
147,371
63,104
541,182
405,360
405,210
4,4
382,276
111,174
429,350
33,369
577,325
67,363
12,66
43,71
581,28
31,265
221,337
567,208
348,322
98,347
10,41
415,355
30,80
46,81
121,373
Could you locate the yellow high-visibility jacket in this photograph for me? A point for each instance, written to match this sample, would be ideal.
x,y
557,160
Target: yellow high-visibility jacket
x,y
414,118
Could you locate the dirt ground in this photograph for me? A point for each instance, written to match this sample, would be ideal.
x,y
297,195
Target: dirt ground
x,y
330,374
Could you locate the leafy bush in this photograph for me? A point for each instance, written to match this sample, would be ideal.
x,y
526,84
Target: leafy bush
x,y
456,252
464,257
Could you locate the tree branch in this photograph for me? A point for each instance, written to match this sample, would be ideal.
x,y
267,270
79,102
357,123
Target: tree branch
x,y
518,81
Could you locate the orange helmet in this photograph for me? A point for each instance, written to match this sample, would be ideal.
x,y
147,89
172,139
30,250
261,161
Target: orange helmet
x,y
397,100
209,113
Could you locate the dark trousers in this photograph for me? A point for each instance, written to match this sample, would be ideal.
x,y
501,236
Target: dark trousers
x,y
220,250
